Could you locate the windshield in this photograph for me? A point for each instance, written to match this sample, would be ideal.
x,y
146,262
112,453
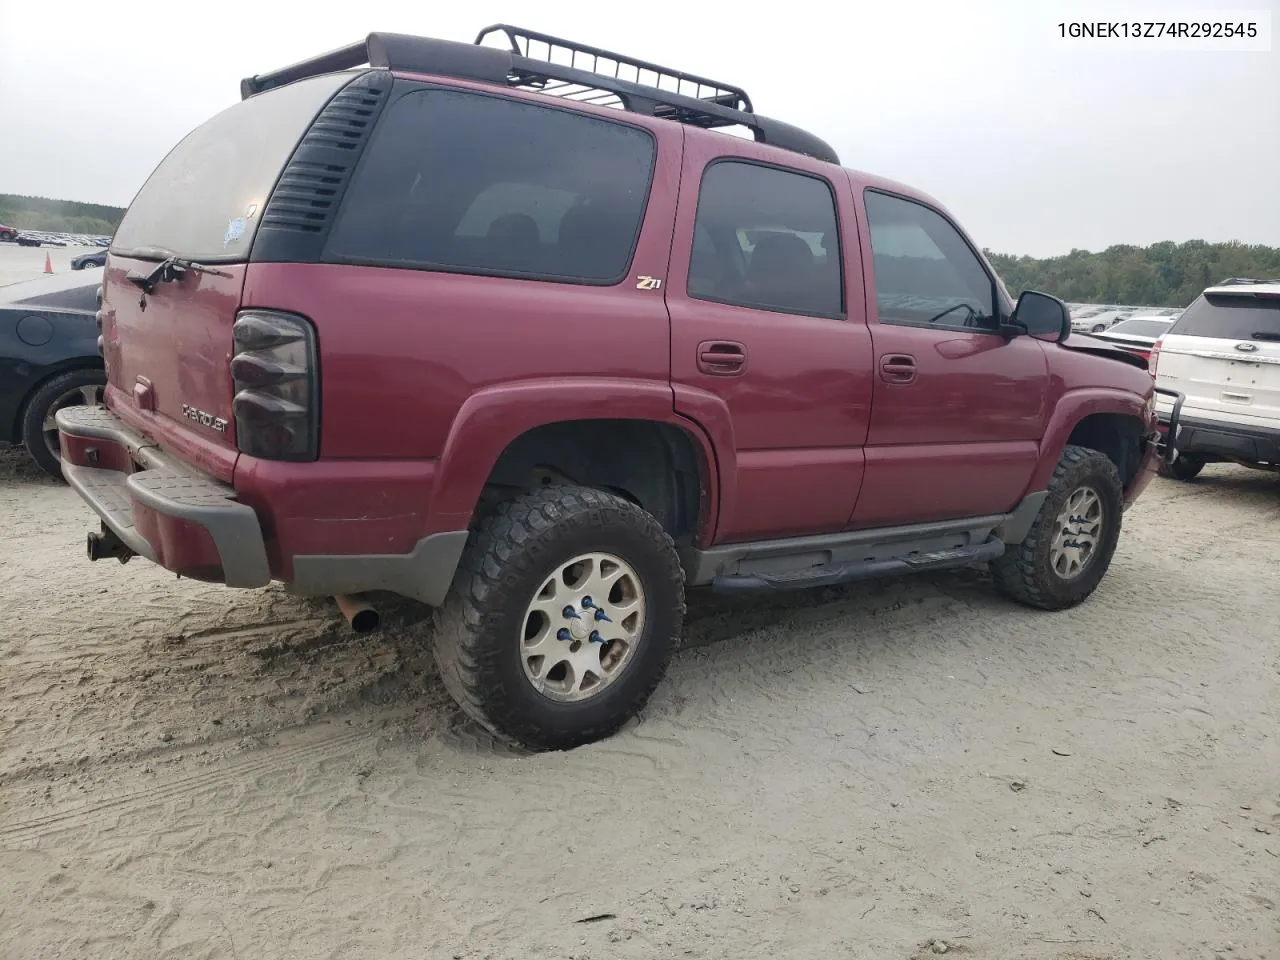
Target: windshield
x,y
1231,316
204,199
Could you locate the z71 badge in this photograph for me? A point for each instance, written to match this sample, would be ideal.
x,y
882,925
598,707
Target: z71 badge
x,y
204,419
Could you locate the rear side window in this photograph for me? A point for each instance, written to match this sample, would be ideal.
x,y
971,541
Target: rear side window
x,y
766,238
925,271
1230,317
205,198
479,184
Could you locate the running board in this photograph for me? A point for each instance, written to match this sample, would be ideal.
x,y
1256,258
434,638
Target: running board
x,y
827,575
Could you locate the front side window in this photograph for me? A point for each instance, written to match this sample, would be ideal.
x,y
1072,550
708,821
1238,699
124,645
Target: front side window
x,y
766,238
925,272
472,183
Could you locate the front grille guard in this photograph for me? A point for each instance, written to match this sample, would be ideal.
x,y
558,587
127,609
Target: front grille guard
x,y
1168,446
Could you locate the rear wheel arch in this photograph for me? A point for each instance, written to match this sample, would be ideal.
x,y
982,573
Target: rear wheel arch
x,y
494,420
658,466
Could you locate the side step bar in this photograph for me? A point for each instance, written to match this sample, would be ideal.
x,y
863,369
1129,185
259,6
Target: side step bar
x,y
825,575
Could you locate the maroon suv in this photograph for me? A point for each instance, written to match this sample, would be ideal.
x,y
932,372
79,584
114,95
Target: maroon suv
x,y
540,346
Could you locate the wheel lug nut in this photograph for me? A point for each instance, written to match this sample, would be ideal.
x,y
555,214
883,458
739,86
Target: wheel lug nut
x,y
564,634
587,603
570,614
595,637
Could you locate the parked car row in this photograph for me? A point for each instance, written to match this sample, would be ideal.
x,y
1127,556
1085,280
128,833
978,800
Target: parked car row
x,y
1095,318
40,238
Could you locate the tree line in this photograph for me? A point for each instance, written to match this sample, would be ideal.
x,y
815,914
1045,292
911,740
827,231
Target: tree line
x,y
58,216
1164,274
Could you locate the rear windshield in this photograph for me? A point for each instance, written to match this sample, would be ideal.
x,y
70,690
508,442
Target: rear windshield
x,y
480,184
204,199
1141,328
1230,317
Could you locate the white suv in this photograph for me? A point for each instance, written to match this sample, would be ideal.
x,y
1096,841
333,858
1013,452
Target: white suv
x,y
1223,356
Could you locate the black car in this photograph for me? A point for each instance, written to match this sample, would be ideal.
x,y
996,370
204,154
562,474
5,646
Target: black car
x,y
48,360
96,259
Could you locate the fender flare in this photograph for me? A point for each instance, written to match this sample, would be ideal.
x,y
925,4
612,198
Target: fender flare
x,y
1072,407
491,418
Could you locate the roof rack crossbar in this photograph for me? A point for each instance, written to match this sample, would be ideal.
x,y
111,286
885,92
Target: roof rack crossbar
x,y
710,105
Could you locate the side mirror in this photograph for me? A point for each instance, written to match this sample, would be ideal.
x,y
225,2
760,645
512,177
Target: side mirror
x,y
1042,316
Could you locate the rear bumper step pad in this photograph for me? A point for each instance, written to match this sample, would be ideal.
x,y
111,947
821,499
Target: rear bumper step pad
x,y
167,488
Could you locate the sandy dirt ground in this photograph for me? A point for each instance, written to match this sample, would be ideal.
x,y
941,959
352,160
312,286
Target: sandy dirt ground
x,y
890,771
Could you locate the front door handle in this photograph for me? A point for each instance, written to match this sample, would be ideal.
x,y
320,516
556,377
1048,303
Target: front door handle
x,y
897,368
722,358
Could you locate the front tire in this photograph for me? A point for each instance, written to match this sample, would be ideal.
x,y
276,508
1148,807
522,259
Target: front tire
x,y
1070,545
39,433
1183,468
564,613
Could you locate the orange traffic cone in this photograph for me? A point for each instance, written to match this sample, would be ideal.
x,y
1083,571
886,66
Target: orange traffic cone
x,y
48,264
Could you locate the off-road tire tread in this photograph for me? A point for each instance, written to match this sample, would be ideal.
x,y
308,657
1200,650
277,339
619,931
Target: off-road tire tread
x,y
1018,573
483,573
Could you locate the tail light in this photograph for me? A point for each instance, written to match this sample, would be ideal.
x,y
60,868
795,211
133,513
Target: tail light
x,y
274,371
1155,357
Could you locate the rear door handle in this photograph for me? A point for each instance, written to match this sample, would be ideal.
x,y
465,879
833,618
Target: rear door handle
x,y
897,368
722,358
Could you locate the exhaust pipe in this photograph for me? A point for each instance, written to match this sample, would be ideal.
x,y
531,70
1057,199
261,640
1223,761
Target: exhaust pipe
x,y
362,617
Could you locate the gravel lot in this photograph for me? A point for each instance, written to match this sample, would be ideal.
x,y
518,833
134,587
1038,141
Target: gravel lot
x,y
192,772
22,263
187,771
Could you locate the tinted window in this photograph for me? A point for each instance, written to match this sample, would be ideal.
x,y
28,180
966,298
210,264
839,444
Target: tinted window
x,y
766,238
480,184
203,199
1230,317
1141,328
924,270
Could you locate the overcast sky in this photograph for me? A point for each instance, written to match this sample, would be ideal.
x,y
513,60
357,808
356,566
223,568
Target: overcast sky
x,y
1036,144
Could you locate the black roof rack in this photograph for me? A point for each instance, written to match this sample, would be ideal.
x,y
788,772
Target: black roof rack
x,y
592,75
527,43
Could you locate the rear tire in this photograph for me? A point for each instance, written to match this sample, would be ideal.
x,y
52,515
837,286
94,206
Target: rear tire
x,y
75,387
1183,468
1052,569
505,605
